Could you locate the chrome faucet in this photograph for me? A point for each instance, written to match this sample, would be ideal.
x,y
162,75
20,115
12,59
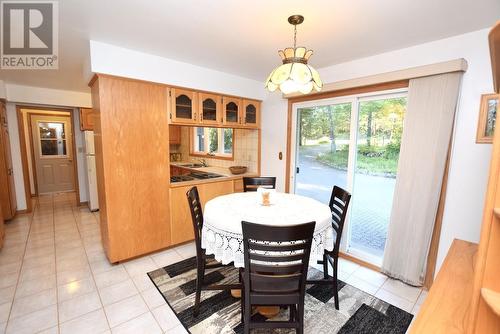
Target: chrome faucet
x,y
202,161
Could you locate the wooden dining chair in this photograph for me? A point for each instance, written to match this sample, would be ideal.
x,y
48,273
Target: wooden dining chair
x,y
276,263
339,204
253,183
201,257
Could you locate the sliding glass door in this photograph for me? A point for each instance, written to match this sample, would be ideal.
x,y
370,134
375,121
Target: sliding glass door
x,y
322,149
352,142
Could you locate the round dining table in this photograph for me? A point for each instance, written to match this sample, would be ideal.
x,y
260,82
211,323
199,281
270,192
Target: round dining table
x,y
222,233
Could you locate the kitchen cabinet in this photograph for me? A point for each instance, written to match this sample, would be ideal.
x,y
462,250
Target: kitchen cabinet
x,y
210,109
132,164
180,214
183,106
251,113
238,185
86,119
174,134
231,110
7,189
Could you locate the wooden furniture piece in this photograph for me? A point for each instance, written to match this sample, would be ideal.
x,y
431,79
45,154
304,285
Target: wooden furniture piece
x,y
465,298
201,258
183,106
339,204
277,279
484,317
7,188
174,134
86,119
251,113
210,109
132,162
231,111
446,308
180,217
253,183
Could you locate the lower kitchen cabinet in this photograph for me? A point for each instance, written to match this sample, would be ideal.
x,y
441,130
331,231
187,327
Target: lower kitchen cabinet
x,y
180,215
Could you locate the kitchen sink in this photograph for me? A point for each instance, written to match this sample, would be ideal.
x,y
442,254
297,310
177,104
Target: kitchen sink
x,y
192,165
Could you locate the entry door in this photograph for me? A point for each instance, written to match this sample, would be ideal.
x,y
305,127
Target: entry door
x,y
52,148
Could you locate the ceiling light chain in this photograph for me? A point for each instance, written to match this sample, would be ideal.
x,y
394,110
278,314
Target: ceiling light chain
x,y
294,75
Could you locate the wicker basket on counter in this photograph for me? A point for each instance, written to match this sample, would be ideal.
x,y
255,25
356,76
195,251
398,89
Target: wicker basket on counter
x,y
238,169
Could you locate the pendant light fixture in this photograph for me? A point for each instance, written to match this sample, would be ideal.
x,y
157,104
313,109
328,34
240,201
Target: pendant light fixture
x,y
294,75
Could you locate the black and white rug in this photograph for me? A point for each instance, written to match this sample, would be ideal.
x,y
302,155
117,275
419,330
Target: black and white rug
x,y
220,312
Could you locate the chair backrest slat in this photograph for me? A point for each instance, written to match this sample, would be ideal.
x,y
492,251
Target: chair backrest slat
x,y
276,258
196,215
339,204
253,183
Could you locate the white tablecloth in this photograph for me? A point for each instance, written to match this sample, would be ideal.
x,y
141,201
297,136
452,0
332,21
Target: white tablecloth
x,y
222,234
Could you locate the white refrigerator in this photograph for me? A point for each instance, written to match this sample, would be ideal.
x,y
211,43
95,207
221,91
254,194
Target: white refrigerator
x,y
93,201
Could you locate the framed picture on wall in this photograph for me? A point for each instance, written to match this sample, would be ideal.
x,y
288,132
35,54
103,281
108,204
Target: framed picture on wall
x,y
487,118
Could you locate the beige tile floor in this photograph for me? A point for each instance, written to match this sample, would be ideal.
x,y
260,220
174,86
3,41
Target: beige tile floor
x,y
55,278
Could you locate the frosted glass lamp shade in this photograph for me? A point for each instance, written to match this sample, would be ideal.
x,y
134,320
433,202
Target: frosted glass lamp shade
x,y
294,75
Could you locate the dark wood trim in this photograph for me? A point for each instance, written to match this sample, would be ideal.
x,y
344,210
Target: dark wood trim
x,y
436,232
288,145
24,154
359,261
75,156
24,160
352,91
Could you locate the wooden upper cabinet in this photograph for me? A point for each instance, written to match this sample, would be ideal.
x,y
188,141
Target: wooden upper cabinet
x,y
251,113
174,132
210,106
86,119
183,106
231,111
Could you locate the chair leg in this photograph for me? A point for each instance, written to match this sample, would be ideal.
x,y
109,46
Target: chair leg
x,y
247,313
325,266
242,304
300,318
335,284
200,274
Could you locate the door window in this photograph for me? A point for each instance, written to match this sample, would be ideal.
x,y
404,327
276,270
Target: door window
x,y
52,139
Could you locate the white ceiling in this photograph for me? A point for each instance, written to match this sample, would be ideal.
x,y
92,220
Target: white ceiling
x,y
242,38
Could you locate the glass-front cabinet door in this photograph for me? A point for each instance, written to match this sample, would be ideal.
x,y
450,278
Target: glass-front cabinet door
x,y
231,110
183,108
251,113
210,108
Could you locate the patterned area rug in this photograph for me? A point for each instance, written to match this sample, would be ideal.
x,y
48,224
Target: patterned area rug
x,y
220,312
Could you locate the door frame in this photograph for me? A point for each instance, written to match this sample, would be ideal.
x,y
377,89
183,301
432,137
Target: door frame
x,y
24,153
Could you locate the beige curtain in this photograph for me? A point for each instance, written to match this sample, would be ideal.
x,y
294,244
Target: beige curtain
x,y
427,129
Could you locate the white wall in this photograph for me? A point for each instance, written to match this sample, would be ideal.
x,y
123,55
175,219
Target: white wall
x,y
34,96
469,161
113,60
47,96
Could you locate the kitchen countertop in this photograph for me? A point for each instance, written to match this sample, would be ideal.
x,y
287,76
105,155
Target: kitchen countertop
x,y
226,175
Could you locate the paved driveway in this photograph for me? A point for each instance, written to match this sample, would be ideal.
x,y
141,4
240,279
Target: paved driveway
x,y
371,200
